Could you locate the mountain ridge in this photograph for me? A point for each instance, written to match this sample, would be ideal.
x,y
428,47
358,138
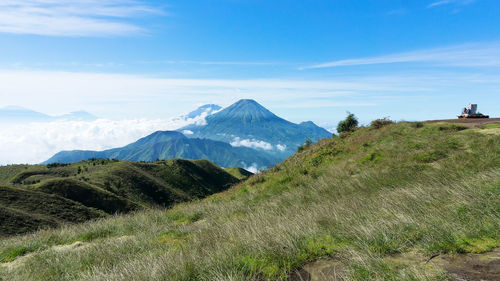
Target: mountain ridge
x,y
21,114
164,145
248,120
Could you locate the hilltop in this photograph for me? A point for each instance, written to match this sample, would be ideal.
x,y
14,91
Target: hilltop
x,y
40,196
406,201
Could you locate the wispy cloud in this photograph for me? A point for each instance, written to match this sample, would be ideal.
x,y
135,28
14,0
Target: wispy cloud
x,y
448,2
51,90
472,55
73,18
131,96
439,3
256,63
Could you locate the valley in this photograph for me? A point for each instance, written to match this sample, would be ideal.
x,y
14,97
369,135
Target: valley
x,y
34,197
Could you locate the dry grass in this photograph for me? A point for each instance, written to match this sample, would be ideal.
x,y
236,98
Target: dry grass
x,y
357,198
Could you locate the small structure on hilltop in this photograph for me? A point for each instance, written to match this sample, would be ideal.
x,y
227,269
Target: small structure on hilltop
x,y
471,112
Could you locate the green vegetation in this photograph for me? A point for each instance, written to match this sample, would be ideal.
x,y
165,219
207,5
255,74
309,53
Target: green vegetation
x,y
39,196
491,126
239,173
349,124
357,200
306,145
379,123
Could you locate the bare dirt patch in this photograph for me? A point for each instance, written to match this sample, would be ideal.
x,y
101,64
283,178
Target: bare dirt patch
x,y
458,267
471,267
58,248
320,270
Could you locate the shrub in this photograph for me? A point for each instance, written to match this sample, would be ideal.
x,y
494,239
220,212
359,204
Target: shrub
x,y
417,125
349,124
379,123
451,127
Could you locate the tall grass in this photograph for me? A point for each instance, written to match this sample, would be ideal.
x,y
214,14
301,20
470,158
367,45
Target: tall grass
x,y
356,199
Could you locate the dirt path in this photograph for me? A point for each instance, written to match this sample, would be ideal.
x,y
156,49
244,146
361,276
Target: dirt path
x,y
471,267
459,267
320,270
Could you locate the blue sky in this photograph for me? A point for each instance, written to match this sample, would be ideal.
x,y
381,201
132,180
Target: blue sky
x,y
304,60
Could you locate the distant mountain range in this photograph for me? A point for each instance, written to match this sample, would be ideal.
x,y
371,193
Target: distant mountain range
x,y
21,114
244,134
171,144
247,123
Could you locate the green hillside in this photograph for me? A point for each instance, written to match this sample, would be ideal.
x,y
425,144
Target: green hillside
x,y
239,173
402,202
39,196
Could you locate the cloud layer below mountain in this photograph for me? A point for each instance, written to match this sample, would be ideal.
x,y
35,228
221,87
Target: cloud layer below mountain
x,y
36,142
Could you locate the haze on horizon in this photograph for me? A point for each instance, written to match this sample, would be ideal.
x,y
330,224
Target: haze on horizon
x,y
142,62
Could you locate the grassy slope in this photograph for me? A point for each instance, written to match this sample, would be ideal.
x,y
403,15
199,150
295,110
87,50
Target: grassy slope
x,y
356,199
25,210
46,196
239,173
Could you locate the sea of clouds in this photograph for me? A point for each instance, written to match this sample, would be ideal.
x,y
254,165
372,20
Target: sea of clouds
x,y
36,142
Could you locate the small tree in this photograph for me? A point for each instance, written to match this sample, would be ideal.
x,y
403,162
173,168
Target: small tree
x,y
308,143
349,124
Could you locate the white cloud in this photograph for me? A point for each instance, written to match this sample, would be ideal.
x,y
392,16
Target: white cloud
x,y
281,147
110,95
72,18
36,142
251,143
253,168
127,96
469,55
